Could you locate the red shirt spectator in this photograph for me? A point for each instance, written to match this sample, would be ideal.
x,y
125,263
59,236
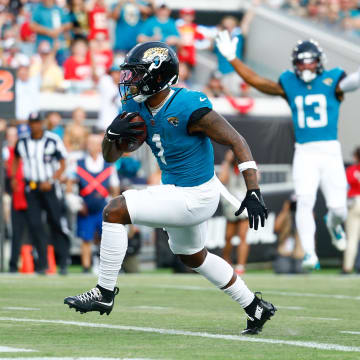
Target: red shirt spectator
x,y
98,22
103,60
353,178
188,35
77,70
101,54
78,65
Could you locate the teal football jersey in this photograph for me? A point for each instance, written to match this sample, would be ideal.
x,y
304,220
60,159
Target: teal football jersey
x,y
314,105
183,159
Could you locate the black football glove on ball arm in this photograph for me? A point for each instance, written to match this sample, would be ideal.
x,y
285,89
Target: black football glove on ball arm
x,y
121,127
255,206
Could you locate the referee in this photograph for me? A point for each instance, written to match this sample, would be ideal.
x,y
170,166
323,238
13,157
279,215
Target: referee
x,y
43,155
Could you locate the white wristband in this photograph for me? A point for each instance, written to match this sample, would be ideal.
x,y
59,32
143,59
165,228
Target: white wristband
x,y
247,165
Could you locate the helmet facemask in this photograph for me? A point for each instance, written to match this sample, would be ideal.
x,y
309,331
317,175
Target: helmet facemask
x,y
307,75
308,52
134,83
148,69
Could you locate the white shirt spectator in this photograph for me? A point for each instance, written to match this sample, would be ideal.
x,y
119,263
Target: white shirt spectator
x,y
110,101
27,97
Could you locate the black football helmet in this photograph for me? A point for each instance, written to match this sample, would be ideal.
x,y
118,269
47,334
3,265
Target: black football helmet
x,y
147,69
305,52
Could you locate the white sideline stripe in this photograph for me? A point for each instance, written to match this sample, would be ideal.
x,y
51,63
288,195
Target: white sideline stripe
x,y
351,332
290,307
327,296
20,308
71,358
150,307
7,349
306,344
317,318
284,293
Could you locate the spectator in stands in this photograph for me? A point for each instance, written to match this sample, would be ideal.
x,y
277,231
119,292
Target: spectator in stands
x,y
234,83
98,18
127,15
27,93
110,99
189,33
76,132
353,219
185,76
229,76
75,138
7,17
79,18
214,87
15,187
53,122
127,168
78,67
11,56
231,177
101,54
45,66
97,180
27,36
350,16
51,23
290,252
333,11
160,27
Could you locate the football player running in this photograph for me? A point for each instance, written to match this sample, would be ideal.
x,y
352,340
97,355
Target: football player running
x,y
180,124
314,96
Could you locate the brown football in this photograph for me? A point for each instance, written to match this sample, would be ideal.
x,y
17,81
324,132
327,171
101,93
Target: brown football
x,y
130,146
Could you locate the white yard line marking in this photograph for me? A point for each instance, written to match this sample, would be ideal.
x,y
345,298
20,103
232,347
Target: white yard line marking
x,y
71,358
144,307
20,308
327,296
7,349
306,344
351,332
290,307
317,318
282,293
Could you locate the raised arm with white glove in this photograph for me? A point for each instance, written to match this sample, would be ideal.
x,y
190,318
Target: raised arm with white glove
x,y
226,45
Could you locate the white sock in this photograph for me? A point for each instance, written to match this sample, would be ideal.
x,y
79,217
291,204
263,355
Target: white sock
x,y
114,243
240,293
305,222
219,272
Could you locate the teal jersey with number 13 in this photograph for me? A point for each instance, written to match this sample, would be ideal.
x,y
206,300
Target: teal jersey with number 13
x,y
314,105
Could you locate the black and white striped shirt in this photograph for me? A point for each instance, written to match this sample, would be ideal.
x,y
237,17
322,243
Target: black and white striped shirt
x,y
40,156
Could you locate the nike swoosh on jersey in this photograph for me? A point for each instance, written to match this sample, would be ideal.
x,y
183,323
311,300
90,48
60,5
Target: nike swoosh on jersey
x,y
111,133
202,99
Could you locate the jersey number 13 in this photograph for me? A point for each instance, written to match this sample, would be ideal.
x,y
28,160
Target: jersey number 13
x,y
320,107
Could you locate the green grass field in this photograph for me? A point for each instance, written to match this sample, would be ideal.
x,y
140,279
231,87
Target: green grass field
x,y
165,316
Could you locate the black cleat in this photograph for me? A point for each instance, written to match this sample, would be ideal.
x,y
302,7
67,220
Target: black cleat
x,y
92,300
262,311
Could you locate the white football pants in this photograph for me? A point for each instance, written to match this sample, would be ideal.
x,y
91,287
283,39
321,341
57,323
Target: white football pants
x,y
317,164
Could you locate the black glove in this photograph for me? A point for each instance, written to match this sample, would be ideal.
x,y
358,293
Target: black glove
x,y
255,206
121,127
